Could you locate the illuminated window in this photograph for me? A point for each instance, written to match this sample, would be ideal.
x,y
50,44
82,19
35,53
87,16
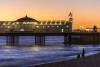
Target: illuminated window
x,y
67,26
55,23
24,22
13,23
60,23
48,26
8,27
37,26
28,22
4,24
35,23
62,30
22,30
31,23
17,22
57,26
43,27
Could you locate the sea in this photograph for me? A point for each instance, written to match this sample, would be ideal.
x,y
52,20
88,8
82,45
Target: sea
x,y
30,54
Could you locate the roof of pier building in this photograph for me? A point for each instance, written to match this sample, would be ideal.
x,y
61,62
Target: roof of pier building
x,y
26,19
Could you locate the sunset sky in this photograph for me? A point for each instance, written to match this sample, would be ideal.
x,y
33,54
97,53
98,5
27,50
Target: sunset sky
x,y
85,12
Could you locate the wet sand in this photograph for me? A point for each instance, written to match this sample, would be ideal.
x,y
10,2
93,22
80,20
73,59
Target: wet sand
x,y
90,61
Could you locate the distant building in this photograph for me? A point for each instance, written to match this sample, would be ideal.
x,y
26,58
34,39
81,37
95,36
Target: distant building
x,y
29,24
94,29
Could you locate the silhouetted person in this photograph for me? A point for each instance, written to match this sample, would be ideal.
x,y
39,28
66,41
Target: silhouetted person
x,y
83,53
78,56
94,28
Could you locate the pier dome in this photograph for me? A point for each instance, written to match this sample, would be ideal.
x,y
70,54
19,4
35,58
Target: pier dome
x,y
26,19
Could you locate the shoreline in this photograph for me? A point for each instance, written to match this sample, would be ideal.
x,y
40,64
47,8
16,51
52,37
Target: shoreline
x,y
88,61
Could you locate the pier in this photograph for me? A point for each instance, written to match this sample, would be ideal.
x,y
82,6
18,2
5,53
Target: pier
x,y
27,26
69,38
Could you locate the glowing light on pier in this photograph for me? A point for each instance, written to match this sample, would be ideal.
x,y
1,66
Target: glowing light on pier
x,y
36,48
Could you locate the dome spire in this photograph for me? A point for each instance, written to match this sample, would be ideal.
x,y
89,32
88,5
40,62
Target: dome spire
x,y
70,17
70,14
26,15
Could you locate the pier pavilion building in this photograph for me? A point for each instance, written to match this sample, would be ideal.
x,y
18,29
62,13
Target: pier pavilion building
x,y
30,24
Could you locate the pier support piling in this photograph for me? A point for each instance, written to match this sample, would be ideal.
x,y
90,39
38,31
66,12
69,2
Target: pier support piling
x,y
67,39
12,40
40,40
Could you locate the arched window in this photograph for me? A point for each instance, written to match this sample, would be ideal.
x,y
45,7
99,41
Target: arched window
x,y
58,22
44,22
53,22
48,22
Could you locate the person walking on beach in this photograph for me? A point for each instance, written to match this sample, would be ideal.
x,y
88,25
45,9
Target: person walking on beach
x,y
83,52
